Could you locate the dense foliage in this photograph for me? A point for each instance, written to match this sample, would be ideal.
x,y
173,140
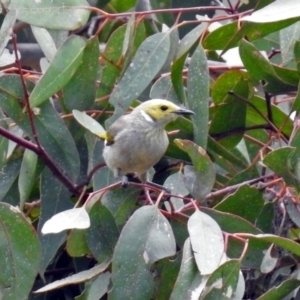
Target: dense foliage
x,y
228,225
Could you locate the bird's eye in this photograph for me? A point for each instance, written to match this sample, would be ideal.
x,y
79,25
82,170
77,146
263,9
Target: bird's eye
x,y
164,107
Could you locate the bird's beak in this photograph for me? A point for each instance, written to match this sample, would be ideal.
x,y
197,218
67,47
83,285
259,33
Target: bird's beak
x,y
183,111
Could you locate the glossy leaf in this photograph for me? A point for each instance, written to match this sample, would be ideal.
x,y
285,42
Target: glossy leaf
x,y
199,179
218,39
163,89
88,122
45,41
18,239
103,233
207,242
147,62
146,238
60,71
276,11
68,15
5,31
189,277
285,243
222,283
27,175
80,92
75,218
9,182
198,95
54,199
76,278
121,203
250,55
52,132
228,106
76,243
277,293
246,202
279,162
97,288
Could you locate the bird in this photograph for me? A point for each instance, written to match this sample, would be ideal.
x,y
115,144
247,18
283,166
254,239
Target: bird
x,y
137,141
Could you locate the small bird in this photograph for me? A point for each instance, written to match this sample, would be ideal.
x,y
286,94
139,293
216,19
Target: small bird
x,y
137,141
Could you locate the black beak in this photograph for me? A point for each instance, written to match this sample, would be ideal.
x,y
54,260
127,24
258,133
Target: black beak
x,y
183,111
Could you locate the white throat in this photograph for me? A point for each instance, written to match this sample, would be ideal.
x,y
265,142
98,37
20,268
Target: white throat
x,y
147,117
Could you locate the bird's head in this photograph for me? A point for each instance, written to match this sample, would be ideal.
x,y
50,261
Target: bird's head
x,y
161,111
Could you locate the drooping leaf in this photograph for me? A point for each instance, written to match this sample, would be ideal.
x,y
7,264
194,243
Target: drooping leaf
x,y
68,15
54,199
76,278
60,71
207,242
189,278
27,175
103,233
198,85
246,202
75,218
200,178
18,240
147,62
146,238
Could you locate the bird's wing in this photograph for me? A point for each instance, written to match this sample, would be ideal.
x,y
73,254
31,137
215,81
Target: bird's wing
x,y
118,126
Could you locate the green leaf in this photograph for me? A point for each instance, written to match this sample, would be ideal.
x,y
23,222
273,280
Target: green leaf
x,y
88,122
147,62
5,31
168,276
229,222
189,40
45,41
280,119
222,283
279,292
246,202
288,39
8,181
112,57
279,162
76,278
146,238
27,175
276,11
60,71
203,230
121,202
97,288
68,15
52,132
219,38
229,106
198,86
19,254
75,218
282,242
76,243
163,89
200,178
80,92
54,199
189,278
219,150
251,56
103,233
